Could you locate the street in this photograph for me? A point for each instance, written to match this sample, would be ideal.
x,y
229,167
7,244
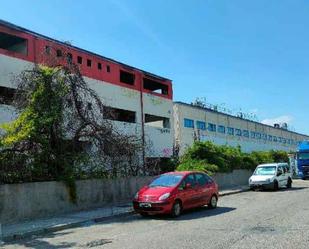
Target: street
x,y
261,219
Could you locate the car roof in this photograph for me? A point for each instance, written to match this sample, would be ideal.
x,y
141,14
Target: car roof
x,y
182,172
271,164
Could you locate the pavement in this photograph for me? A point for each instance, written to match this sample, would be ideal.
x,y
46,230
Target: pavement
x,y
26,229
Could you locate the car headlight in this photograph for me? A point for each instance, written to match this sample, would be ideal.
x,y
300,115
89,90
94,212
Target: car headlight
x,y
250,180
136,196
164,196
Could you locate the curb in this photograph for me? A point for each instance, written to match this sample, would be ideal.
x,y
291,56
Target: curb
x,y
20,236
17,236
238,191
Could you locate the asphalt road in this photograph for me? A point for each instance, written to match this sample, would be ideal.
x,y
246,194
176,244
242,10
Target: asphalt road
x,y
246,220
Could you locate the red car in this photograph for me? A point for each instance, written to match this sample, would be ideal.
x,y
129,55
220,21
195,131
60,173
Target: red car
x,y
173,192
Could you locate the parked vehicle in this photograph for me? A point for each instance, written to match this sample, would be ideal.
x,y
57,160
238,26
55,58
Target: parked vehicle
x,y
173,192
302,157
271,176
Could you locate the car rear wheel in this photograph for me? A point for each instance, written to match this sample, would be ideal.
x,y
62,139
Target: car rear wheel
x,y
176,209
276,185
289,183
213,202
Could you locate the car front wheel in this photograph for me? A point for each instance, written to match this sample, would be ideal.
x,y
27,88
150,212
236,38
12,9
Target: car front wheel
x,y
276,185
289,183
213,202
176,209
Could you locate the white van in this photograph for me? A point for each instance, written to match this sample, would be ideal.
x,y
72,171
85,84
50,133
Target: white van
x,y
271,176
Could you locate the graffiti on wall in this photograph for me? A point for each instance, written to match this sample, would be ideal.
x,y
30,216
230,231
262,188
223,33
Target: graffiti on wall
x,y
129,93
167,152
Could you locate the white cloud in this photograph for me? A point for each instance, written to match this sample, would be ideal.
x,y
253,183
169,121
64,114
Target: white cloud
x,y
278,120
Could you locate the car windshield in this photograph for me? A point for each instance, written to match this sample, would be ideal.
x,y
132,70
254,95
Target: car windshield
x,y
166,181
267,170
303,156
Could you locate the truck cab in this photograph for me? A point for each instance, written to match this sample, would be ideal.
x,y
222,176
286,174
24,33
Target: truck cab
x,y
303,160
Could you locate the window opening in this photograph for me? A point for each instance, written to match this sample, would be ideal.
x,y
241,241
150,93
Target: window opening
x,y
127,78
157,121
155,86
13,43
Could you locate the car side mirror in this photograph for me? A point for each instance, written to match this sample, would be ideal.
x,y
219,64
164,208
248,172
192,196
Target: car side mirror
x,y
188,185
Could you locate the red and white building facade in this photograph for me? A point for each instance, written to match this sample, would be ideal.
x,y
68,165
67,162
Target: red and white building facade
x,y
142,100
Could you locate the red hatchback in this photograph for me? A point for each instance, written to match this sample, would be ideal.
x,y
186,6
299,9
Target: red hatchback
x,y
173,192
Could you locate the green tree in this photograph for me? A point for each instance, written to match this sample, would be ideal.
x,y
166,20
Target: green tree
x,y
61,132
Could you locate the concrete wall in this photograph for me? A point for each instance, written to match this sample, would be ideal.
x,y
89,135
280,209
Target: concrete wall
x,y
184,137
234,179
42,199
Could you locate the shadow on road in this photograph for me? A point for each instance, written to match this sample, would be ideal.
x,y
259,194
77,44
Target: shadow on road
x,y
195,213
281,189
39,242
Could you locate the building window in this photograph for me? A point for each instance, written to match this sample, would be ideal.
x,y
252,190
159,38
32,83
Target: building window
x,y
127,78
252,134
99,66
157,121
238,132
13,43
270,138
230,131
79,60
258,135
69,58
189,123
280,139
88,63
6,95
289,141
212,127
221,129
108,69
284,140
47,49
155,86
119,114
59,53
275,139
264,136
201,125
245,133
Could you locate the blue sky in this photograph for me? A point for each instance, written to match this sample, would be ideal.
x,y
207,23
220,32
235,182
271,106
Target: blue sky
x,y
248,55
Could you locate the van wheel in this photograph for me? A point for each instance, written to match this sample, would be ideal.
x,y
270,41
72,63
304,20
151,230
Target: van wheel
x,y
176,209
289,183
213,202
276,186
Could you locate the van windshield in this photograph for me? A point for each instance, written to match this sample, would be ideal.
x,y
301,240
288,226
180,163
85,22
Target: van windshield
x,y
267,170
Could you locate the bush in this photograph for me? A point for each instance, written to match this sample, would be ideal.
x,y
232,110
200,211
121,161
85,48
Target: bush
x,y
198,165
211,158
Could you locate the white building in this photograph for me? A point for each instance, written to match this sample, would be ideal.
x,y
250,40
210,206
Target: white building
x,y
141,100
193,123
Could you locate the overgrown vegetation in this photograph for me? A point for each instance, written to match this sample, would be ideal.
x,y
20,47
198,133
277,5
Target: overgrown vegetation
x,y
61,132
211,158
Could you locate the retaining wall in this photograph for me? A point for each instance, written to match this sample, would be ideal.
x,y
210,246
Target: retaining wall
x,y
43,199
